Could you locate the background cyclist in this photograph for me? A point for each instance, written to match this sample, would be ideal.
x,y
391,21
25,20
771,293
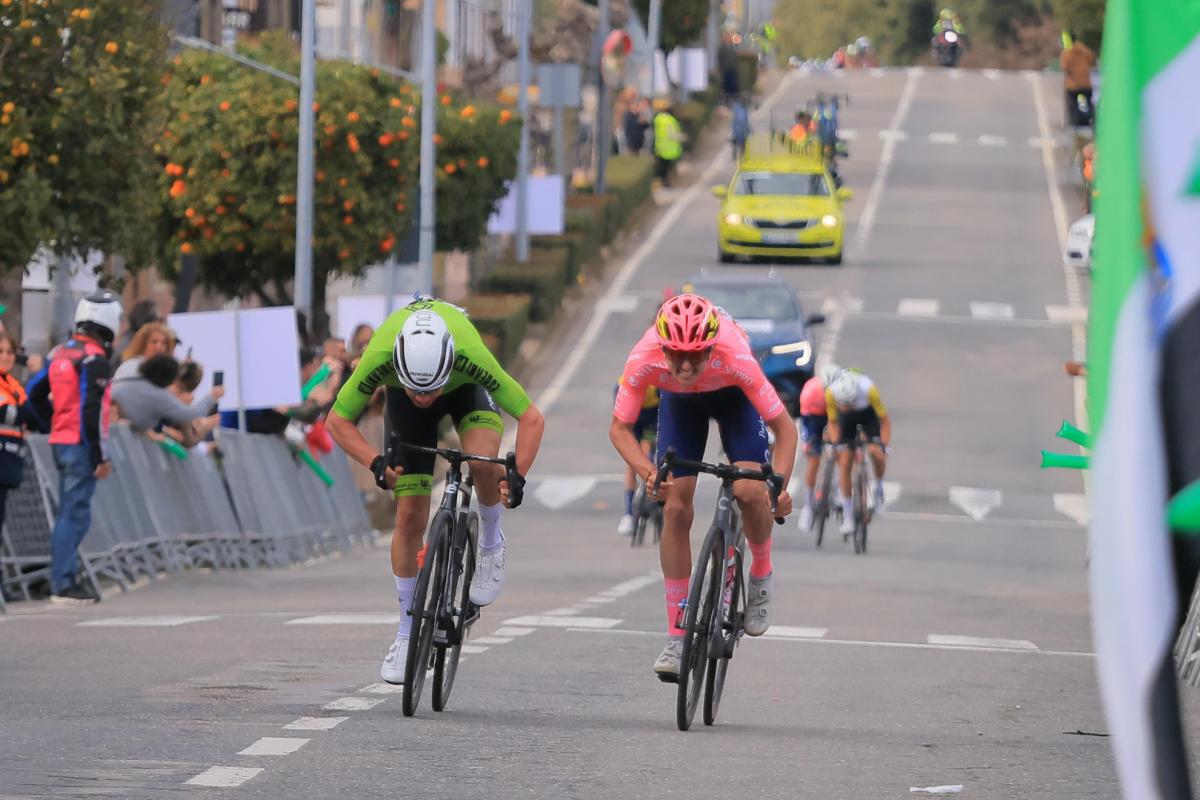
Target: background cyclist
x,y
433,363
852,400
703,364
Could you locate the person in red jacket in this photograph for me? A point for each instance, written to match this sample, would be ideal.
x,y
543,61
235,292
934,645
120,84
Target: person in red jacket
x,y
75,384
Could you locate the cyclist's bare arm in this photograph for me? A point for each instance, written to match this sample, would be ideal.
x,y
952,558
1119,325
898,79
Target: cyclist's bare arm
x,y
621,435
885,431
530,427
786,438
350,439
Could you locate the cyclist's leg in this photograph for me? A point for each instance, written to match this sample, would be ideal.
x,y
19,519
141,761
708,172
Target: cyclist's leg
x,y
849,430
683,425
477,420
411,425
813,428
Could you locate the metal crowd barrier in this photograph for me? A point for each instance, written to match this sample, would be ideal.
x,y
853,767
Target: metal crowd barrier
x,y
249,503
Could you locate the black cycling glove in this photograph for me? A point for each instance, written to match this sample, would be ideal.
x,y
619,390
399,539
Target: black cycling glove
x,y
379,470
516,488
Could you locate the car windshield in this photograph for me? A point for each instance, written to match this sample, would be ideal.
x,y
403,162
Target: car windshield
x,y
753,301
791,184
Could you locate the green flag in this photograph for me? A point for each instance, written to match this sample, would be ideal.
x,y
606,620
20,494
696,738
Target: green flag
x,y
1144,374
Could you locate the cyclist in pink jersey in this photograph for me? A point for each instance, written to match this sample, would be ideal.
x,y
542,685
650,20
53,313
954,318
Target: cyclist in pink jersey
x,y
703,366
813,420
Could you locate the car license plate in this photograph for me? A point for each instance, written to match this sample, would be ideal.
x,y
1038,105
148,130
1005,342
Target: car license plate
x,y
780,238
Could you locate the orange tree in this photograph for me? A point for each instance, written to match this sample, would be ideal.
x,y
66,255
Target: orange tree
x,y
78,85
227,165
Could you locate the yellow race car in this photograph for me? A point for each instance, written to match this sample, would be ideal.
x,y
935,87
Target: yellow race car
x,y
781,206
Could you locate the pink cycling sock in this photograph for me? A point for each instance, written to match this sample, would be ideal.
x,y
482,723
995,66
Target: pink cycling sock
x,y
677,591
760,567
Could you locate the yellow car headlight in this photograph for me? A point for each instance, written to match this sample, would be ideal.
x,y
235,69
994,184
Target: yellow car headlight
x,y
829,220
733,219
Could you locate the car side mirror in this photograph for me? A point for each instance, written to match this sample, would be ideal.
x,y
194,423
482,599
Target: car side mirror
x,y
845,194
719,191
815,319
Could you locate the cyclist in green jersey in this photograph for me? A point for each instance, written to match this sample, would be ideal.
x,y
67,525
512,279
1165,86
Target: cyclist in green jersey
x,y
432,363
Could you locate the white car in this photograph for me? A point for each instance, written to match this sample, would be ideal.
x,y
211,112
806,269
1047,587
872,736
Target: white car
x,y
1078,252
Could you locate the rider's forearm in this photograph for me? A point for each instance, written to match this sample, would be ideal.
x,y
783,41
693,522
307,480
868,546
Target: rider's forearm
x,y
350,439
885,431
530,427
784,460
626,444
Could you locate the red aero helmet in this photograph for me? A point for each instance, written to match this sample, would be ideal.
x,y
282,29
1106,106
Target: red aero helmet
x,y
687,323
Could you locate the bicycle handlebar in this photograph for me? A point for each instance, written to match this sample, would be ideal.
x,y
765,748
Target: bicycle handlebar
x,y
516,483
726,472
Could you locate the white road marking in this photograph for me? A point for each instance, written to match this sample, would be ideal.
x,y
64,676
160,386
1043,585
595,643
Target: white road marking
x,y
547,621
315,723
950,788
992,310
865,643
471,648
163,621
943,137
346,619
599,598
1074,506
491,640
891,492
556,493
632,585
893,135
509,631
988,140
564,611
992,74
953,319
224,777
914,307
273,746
867,220
976,503
1072,314
980,641
352,704
956,74
916,71
788,632
957,519
381,688
600,314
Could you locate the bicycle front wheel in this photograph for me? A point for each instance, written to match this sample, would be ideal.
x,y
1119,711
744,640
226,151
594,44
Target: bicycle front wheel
x,y
426,612
860,510
727,624
703,595
445,663
824,486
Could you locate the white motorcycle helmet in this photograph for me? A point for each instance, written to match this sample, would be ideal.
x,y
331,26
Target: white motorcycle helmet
x,y
424,353
99,315
845,388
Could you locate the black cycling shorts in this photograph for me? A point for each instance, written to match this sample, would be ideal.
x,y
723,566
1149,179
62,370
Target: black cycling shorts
x,y
848,423
469,407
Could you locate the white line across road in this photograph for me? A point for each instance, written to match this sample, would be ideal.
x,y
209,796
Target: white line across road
x,y
315,723
980,641
563,621
867,221
274,746
943,137
988,140
913,307
164,621
224,777
347,619
992,311
352,704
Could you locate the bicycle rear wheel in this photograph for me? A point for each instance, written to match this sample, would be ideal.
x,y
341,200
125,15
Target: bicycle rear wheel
x,y
426,612
728,624
824,485
860,509
701,605
445,664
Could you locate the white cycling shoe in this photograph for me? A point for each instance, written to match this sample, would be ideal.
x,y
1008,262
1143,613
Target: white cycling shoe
x,y
626,525
392,670
847,526
489,577
805,522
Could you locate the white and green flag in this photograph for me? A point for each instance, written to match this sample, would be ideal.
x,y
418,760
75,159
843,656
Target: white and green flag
x,y
1144,373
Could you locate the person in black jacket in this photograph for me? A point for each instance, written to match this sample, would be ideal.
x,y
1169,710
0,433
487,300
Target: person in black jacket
x,y
13,415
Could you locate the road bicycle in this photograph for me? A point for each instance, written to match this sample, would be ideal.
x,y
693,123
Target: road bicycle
x,y
862,478
712,612
647,513
824,507
442,611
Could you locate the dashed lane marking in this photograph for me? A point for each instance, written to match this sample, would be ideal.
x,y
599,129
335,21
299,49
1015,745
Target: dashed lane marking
x,y
550,621
980,641
315,723
1074,505
381,688
992,311
789,632
163,621
865,222
632,585
491,640
273,746
1070,314
943,137
988,140
914,307
512,631
352,704
347,619
224,777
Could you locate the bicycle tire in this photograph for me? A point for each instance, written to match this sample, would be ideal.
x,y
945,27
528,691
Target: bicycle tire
x,y
701,604
445,665
639,527
430,585
656,517
730,624
860,511
824,484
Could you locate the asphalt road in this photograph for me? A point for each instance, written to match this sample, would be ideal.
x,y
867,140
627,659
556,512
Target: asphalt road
x,y
864,688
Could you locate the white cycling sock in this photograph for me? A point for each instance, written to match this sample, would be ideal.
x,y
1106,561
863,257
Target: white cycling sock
x,y
847,508
810,497
490,535
404,593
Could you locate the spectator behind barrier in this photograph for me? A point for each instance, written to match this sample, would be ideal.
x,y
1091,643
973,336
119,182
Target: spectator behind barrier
x,y
14,414
146,401
153,338
143,312
359,341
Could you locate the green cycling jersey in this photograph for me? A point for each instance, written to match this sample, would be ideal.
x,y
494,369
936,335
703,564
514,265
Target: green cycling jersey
x,y
473,363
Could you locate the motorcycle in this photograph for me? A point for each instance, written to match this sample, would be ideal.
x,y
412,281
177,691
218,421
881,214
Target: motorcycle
x,y
947,48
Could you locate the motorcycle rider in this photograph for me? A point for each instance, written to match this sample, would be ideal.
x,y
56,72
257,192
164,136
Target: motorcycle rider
x,y
948,20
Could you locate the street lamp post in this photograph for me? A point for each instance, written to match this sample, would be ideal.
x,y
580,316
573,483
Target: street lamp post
x,y
425,246
303,278
524,11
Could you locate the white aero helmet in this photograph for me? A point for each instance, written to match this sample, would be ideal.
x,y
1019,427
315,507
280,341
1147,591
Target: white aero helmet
x,y
424,352
100,314
828,373
846,387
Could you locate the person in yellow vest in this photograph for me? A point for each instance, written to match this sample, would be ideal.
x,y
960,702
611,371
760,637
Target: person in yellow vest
x,y
13,415
668,141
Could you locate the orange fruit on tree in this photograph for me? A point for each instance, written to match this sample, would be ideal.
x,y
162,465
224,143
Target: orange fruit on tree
x,y
505,115
349,204
224,105
185,248
320,176
343,181
111,48
347,220
36,41
403,135
329,129
177,188
290,105
386,139
191,212
353,116
394,102
451,169
8,107
446,100
220,211
408,122
467,112
437,139
352,142
343,254
52,158
240,247
394,163
209,233
483,162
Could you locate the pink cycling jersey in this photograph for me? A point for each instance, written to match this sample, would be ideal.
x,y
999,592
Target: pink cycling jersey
x,y
812,398
732,364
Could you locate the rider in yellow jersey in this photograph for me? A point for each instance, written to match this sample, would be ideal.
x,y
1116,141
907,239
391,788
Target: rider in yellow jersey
x,y
852,399
645,430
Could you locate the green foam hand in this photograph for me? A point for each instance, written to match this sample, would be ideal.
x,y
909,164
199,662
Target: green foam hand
x,y
1073,434
1063,461
1183,512
173,447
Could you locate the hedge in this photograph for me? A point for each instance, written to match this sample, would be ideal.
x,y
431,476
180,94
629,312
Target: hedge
x,y
543,278
504,316
631,179
579,248
605,212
